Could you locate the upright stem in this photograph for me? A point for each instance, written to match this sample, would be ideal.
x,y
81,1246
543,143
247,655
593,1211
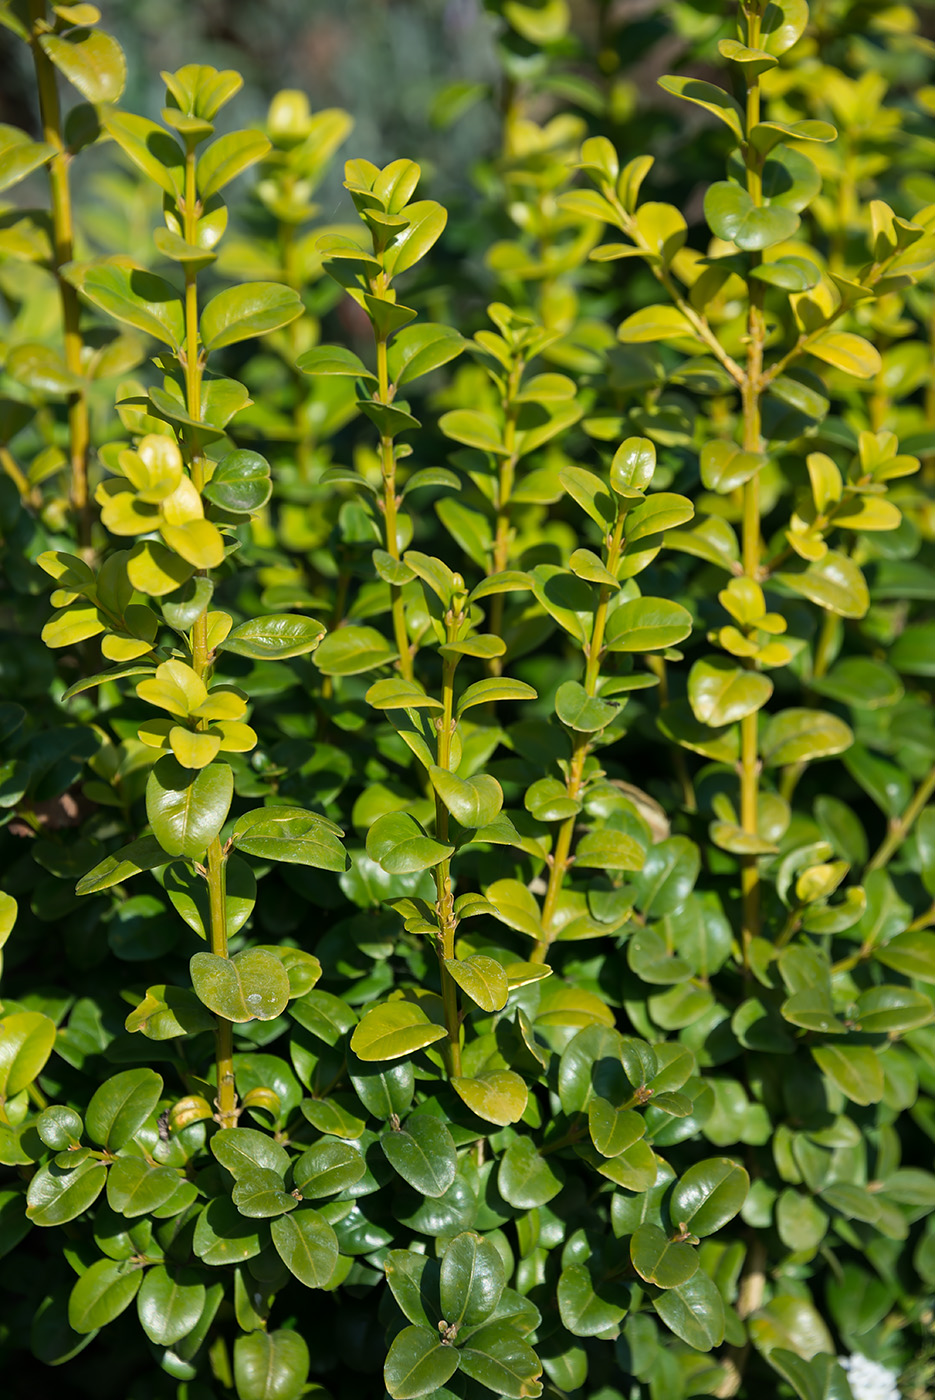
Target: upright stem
x,y
501,546
580,750
750,394
224,1031
192,367
227,1113
63,252
388,459
445,944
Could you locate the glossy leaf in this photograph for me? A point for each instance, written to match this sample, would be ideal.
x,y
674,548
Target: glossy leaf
x,y
270,1365
250,985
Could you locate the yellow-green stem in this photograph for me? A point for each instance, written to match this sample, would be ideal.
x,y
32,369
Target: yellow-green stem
x,y
445,944
224,1032
388,463
582,744
13,470
751,390
215,866
63,252
901,826
501,547
561,853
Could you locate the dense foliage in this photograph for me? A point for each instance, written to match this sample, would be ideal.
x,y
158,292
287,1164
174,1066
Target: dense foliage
x,y
468,861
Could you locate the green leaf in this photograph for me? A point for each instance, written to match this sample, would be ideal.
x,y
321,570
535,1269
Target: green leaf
x,y
913,652
732,214
349,651
817,1378
250,985
482,979
793,1323
792,274
497,1357
393,1030
423,1153
150,147
418,1363
56,1194
911,953
834,582
417,350
228,157
712,98
91,60
653,323
224,1236
709,1195
489,691
474,429
274,637
102,1293
662,511
647,624
261,1194
694,1311
120,1107
132,295
472,1280
243,1150
136,1188
607,849
783,23
633,466
26,1042
659,1260
471,801
847,352
328,1167
497,1096
169,1303
240,483
799,735
270,1365
591,494
398,694
886,1010
252,309
292,835
613,1130
468,528
525,1178
335,360
721,692
382,1091
583,712
425,224
20,156
187,807
397,843
725,466
854,1069
144,854
861,681
307,1245
587,1309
